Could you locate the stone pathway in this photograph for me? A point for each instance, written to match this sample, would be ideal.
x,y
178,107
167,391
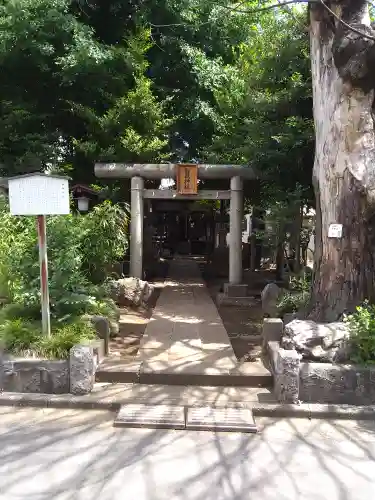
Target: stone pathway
x,y
186,334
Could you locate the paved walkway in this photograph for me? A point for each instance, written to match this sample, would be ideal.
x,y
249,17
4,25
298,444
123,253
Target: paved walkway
x,y
69,455
186,334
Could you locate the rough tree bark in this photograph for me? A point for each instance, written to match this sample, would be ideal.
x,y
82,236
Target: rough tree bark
x,y
343,72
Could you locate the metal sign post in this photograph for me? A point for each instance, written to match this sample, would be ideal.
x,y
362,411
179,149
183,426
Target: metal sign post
x,y
43,262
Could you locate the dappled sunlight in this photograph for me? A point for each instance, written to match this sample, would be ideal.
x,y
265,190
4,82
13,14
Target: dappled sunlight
x,y
65,454
178,319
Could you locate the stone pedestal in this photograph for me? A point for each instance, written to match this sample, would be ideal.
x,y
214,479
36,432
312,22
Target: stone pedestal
x,y
272,331
232,291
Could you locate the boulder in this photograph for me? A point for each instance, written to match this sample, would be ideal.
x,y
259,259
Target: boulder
x,y
325,342
131,292
270,295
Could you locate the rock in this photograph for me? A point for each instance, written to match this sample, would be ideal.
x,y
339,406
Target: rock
x,y
131,292
81,367
114,328
288,317
326,342
270,295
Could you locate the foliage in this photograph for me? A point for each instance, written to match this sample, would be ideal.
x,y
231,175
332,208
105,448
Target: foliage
x,y
290,302
104,238
362,334
64,88
63,339
264,112
301,283
78,247
19,335
297,296
24,338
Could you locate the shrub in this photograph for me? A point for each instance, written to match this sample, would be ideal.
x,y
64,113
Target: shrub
x,y
79,249
104,239
24,338
18,336
362,334
298,295
290,302
58,345
20,311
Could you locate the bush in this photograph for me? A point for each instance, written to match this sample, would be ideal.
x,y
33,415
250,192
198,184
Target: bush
x,y
24,338
18,336
79,249
362,334
20,311
297,297
290,302
58,345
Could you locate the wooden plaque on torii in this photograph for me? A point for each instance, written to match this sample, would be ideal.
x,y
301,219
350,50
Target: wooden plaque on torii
x,y
187,179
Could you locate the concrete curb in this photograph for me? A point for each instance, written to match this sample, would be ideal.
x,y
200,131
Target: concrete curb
x,y
274,410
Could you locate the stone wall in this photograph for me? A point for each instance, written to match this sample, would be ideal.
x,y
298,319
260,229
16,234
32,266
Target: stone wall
x,y
336,384
75,375
312,382
35,375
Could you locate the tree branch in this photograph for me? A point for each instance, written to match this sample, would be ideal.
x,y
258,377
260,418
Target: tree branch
x,y
274,6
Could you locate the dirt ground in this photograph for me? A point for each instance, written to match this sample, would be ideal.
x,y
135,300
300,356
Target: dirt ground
x,y
243,325
132,326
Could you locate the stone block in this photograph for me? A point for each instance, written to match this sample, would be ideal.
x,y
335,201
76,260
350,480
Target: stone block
x,y
287,376
272,331
234,291
224,300
81,361
337,384
273,348
35,376
220,419
102,327
151,416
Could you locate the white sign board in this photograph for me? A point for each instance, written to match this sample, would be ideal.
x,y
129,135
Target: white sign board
x,y
39,194
335,231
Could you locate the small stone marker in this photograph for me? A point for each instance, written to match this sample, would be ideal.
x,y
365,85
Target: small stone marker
x,y
153,417
221,419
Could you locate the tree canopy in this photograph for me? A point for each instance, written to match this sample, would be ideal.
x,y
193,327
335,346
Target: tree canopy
x,y
144,81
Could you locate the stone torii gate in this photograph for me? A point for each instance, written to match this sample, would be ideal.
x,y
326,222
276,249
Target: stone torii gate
x,y
138,172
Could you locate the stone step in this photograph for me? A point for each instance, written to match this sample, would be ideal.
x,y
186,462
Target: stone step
x,y
164,416
252,374
122,394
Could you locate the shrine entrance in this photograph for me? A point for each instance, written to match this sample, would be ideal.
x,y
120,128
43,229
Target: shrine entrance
x,y
185,342
185,232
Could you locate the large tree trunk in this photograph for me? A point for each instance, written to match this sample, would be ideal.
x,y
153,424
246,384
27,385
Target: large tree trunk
x,y
343,71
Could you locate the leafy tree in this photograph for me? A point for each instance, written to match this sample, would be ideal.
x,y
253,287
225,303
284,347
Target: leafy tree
x,y
63,88
265,108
